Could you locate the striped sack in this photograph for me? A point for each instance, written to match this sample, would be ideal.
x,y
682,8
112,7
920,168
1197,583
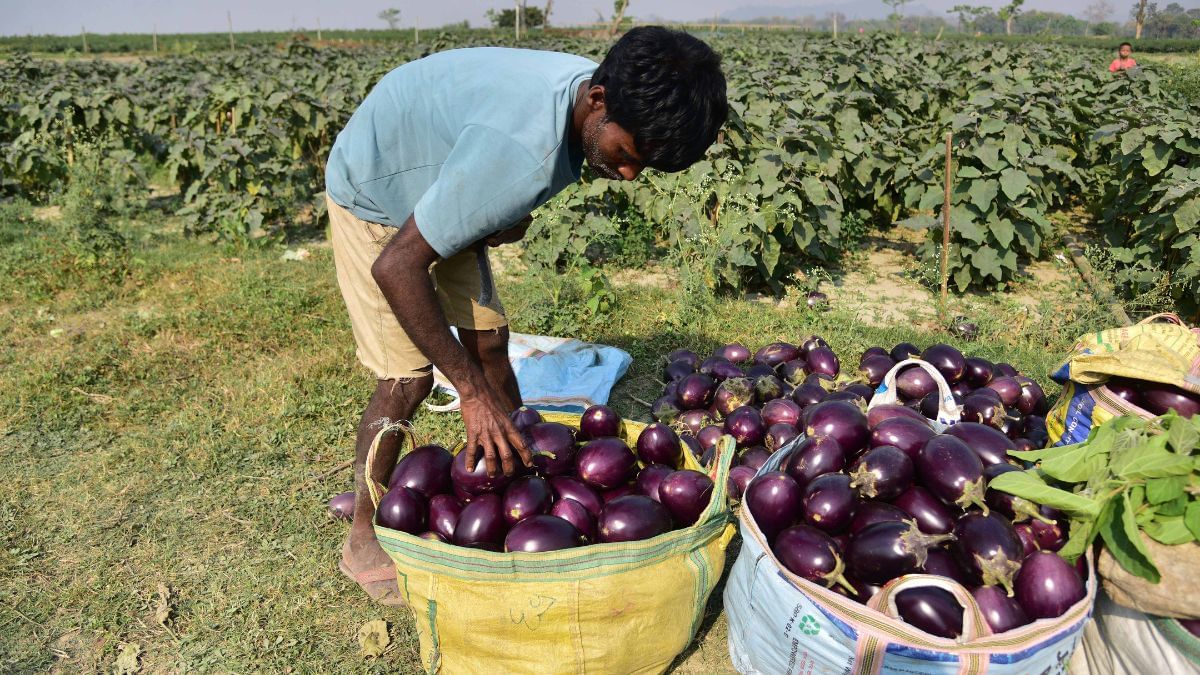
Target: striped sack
x,y
628,607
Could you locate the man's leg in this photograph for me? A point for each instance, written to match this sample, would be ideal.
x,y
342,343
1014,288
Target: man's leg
x,y
394,400
489,348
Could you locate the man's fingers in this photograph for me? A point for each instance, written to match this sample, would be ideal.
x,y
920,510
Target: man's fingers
x,y
489,455
506,458
472,452
517,441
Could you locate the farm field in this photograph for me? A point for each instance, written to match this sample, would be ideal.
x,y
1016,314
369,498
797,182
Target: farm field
x,y
178,388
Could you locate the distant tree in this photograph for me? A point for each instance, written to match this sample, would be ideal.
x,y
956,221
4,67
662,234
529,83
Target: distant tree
x,y
507,18
897,11
1098,12
546,13
392,16
619,7
1139,18
1008,14
969,15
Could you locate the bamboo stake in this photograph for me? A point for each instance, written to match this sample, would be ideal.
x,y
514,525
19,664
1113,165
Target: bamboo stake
x,y
318,29
155,38
417,30
229,21
83,33
835,26
946,227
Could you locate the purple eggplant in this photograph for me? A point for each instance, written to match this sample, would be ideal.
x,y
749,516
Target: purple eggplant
x,y
873,368
403,509
933,610
931,514
1161,398
842,421
991,445
523,418
341,506
734,352
687,356
793,372
760,370
677,370
720,369
1002,613
904,351
605,463
868,513
1028,538
779,435
884,551
776,353
693,446
576,514
1032,400
829,502
619,491
1050,532
812,342
872,351
983,409
755,457
915,383
1009,389
481,523
883,472
526,496
433,536
478,481
567,487
696,391
746,426
1047,586
988,549
1004,370
599,421
426,469
775,502
978,372
659,444
650,478
781,411
665,409
823,361
708,437
553,448
952,471
731,395
887,411
767,388
686,494
904,433
541,533
814,456
948,361
444,511
809,553
739,480
1012,507
1125,389
632,518
941,562
807,394
693,421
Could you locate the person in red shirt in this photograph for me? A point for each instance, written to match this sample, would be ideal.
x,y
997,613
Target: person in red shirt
x,y
1124,61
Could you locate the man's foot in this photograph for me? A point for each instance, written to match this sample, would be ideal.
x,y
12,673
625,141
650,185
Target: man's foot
x,y
369,566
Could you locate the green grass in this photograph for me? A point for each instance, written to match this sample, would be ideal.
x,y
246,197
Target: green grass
x,y
176,429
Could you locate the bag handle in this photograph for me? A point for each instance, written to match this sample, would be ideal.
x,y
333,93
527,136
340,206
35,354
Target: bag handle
x,y
407,437
886,394
1168,317
872,649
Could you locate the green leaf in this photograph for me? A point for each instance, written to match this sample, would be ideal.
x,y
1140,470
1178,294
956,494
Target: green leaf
x,y
1083,532
989,154
1014,182
1169,531
969,172
1124,542
1075,463
1159,490
1028,485
1153,465
991,126
987,262
1003,231
1191,518
1156,157
1183,436
983,193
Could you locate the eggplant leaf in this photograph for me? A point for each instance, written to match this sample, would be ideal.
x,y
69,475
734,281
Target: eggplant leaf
x,y
1027,485
1124,542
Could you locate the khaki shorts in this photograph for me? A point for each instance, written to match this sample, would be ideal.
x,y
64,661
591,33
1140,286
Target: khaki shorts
x,y
383,346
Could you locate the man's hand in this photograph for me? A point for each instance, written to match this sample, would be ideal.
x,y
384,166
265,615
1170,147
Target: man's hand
x,y
512,234
489,428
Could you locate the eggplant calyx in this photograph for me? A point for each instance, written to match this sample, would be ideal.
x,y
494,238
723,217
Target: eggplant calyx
x,y
973,495
836,576
1023,510
864,479
917,543
998,571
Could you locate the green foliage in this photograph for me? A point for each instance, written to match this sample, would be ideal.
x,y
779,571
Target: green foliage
x,y
1131,475
507,18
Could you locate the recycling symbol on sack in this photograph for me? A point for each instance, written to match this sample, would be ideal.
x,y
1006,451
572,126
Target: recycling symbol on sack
x,y
808,625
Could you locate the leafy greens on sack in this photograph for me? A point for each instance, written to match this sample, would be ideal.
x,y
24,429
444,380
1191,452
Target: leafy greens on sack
x,y
1130,476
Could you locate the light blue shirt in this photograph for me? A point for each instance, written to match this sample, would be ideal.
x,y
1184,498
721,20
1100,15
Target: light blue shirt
x,y
467,141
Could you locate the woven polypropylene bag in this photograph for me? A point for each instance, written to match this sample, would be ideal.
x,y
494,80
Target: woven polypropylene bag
x,y
627,607
782,623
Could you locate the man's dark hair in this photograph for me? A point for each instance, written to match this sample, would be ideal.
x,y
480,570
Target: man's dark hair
x,y
666,89
1125,44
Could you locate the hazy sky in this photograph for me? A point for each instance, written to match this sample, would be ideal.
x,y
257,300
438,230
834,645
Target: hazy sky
x,y
21,17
